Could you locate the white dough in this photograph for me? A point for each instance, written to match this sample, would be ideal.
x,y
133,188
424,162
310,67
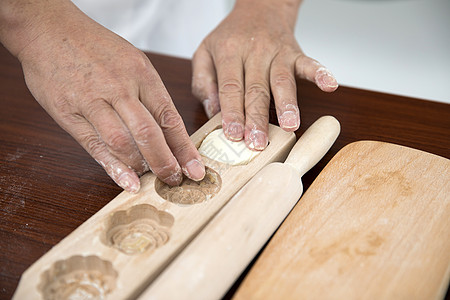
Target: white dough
x,y
217,147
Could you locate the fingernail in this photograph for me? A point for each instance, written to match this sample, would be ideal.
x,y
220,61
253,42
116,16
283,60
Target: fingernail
x,y
257,140
128,183
325,79
330,81
195,170
289,120
235,131
208,108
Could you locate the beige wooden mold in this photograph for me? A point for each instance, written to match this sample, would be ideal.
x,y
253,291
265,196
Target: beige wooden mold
x,y
117,252
216,257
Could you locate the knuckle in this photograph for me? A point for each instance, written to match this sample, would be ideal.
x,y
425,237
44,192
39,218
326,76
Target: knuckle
x,y
117,141
144,133
93,107
136,62
139,60
169,118
182,149
116,100
257,91
225,50
121,94
224,58
227,45
62,106
93,145
283,79
264,45
231,86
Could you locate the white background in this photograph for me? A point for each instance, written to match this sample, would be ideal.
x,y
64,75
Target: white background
x,y
394,46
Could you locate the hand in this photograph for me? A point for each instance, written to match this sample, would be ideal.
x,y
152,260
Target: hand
x,y
250,55
108,96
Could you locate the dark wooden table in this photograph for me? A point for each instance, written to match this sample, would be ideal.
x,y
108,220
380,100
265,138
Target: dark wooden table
x,y
49,185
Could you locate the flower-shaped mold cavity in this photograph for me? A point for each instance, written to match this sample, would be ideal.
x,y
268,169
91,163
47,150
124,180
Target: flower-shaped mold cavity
x,y
138,229
190,191
78,277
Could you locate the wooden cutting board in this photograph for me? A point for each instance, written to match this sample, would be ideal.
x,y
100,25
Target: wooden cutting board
x,y
375,224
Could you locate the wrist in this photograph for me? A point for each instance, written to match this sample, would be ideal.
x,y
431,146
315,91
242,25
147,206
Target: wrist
x,y
286,10
22,23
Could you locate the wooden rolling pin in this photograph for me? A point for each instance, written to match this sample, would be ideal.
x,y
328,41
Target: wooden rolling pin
x,y
216,257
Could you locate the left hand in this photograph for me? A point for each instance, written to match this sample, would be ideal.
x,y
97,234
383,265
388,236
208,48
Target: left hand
x,y
250,55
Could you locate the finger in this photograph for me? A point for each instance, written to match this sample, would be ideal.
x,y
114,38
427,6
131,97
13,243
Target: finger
x,y
312,70
173,129
257,101
284,90
204,81
115,135
150,140
231,94
88,138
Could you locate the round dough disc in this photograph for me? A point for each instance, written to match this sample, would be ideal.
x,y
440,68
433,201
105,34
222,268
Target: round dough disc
x,y
217,147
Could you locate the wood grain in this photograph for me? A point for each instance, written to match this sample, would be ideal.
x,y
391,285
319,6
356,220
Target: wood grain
x,y
373,225
233,237
137,235
40,164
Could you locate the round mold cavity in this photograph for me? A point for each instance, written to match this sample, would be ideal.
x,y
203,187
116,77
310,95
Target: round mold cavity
x,y
140,228
78,277
190,191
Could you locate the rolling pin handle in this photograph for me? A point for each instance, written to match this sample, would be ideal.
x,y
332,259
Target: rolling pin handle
x,y
314,144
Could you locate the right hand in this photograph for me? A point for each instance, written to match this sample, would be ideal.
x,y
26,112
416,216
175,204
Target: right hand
x,y
251,55
108,96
